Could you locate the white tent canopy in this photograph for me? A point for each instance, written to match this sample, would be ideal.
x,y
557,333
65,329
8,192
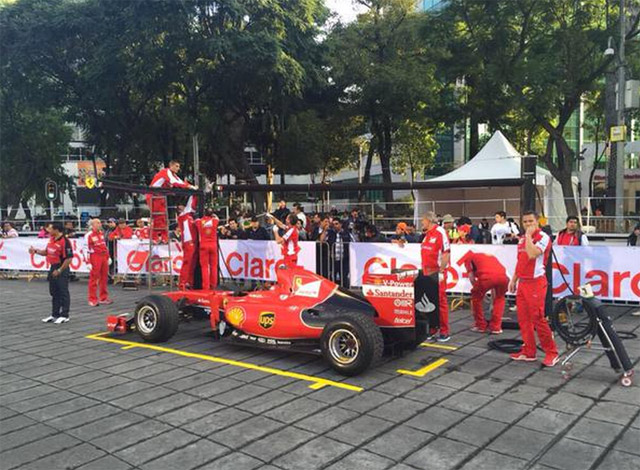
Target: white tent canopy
x,y
498,160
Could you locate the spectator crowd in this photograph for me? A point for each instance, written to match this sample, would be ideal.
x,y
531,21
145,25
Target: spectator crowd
x,y
340,227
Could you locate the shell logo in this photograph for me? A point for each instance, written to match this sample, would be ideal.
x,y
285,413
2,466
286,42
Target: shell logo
x,y
235,316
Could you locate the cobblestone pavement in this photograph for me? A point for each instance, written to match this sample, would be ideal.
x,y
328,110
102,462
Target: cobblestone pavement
x,y
67,401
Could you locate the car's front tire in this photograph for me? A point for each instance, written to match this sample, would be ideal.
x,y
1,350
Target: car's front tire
x,y
156,318
352,343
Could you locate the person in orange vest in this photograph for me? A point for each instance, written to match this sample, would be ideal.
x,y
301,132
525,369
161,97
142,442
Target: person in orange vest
x,y
98,261
486,273
189,240
207,228
165,178
122,231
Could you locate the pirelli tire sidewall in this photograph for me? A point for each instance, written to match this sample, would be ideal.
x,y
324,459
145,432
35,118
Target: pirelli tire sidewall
x,y
350,327
156,318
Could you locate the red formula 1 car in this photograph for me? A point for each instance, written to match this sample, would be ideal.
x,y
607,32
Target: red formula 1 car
x,y
303,312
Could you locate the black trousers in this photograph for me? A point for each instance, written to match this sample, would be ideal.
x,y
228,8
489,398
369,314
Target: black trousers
x,y
59,290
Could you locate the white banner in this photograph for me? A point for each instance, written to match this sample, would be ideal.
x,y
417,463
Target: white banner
x,y
246,259
613,271
14,254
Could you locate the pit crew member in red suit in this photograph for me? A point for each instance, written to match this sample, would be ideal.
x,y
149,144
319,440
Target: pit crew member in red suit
x,y
189,239
165,178
98,260
530,285
436,253
486,273
207,228
288,241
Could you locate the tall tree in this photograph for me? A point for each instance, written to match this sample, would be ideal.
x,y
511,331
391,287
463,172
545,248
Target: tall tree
x,y
539,57
386,71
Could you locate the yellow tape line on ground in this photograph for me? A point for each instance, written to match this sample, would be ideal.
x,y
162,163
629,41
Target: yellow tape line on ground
x,y
425,370
317,382
438,346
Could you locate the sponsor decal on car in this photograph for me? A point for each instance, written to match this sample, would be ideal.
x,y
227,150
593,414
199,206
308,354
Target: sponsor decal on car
x,y
402,321
235,316
311,289
266,319
397,292
403,302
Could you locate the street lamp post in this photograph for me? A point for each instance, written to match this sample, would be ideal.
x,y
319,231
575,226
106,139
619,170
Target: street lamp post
x,y
619,203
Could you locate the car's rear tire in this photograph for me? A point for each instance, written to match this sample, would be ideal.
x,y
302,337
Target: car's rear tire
x,y
352,343
156,318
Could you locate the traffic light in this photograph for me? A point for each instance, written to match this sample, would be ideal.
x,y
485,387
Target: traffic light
x,y
51,190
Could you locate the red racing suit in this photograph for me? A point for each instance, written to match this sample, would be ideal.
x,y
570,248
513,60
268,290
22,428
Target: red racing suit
x,y
207,228
96,247
290,248
434,245
189,239
165,178
530,296
489,274
141,233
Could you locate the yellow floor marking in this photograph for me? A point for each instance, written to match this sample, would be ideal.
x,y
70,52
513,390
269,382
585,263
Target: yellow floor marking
x,y
438,346
316,382
425,370
128,347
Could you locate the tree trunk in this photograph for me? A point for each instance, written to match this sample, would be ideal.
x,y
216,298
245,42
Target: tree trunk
x,y
474,137
367,169
569,196
385,159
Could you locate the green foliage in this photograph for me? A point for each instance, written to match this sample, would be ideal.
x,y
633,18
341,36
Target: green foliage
x,y
414,151
32,148
387,72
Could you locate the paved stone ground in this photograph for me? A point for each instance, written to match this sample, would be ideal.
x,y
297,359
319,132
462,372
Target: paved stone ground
x,y
71,402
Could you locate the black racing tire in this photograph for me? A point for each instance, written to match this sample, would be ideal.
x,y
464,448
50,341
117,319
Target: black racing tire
x,y
352,343
156,318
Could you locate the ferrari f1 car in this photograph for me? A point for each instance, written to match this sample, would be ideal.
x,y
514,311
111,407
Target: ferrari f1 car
x,y
302,312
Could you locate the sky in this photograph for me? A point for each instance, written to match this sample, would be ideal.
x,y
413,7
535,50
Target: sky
x,y
344,8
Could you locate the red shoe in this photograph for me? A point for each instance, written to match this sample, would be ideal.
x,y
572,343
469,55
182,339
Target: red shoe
x,y
520,356
106,302
477,329
93,304
550,360
495,332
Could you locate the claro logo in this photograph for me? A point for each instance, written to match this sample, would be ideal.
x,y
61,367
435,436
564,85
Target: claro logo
x,y
377,265
605,284
243,264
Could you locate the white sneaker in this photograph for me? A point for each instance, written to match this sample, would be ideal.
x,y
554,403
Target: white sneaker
x,y
61,320
425,305
49,319
513,308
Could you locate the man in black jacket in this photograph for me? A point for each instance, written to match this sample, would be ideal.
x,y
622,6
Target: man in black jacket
x,y
255,231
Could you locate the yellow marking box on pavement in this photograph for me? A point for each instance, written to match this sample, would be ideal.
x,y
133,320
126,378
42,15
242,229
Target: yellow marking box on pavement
x,y
316,382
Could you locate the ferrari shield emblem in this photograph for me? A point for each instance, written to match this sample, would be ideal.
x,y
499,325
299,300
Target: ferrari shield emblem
x,y
266,320
90,182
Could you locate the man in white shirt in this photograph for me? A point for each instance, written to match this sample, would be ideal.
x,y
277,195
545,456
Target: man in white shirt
x,y
503,231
